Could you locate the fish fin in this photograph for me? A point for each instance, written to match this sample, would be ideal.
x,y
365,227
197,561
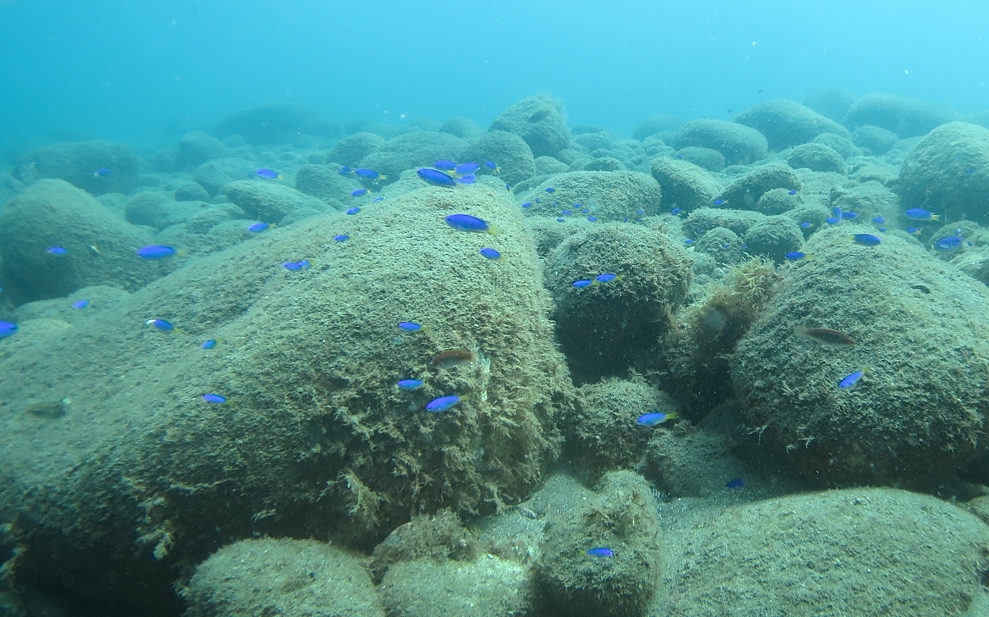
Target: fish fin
x,y
671,416
493,230
936,217
799,330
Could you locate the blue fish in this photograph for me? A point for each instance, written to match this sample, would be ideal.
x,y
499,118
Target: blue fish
x,y
805,225
160,324
848,216
949,244
792,192
369,174
359,192
468,179
582,283
353,210
719,202
443,403
832,220
796,255
550,189
7,329
269,174
490,253
836,212
215,399
916,231
410,384
209,344
970,170
436,177
674,211
341,237
851,380
735,484
344,170
606,277
879,220
688,241
654,418
527,204
445,165
258,227
80,304
57,250
492,166
919,214
465,169
592,219
102,171
155,252
560,220
377,199
466,222
640,211
600,552
295,266
865,239
410,326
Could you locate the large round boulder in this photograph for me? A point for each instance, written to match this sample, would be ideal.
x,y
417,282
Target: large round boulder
x,y
738,143
412,150
539,121
98,167
787,123
905,116
606,195
506,150
684,184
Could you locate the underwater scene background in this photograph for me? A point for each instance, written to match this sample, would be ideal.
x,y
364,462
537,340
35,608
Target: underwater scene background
x,y
502,309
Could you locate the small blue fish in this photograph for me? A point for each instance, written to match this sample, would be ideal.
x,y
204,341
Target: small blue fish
x,y
796,255
582,283
436,177
879,220
679,156
688,241
490,253
295,266
592,219
600,552
527,204
949,244
269,174
832,220
443,403
56,250
970,170
377,200
654,418
344,170
735,484
865,239
566,213
102,171
359,192
492,166
848,216
160,324
919,214
792,192
257,228
805,225
836,212
155,252
410,384
209,344
882,229
445,165
915,230
676,211
640,211
550,189
341,237
80,304
508,187
851,380
560,220
410,326
466,169
466,222
468,179
7,329
216,399
726,246
369,174
607,277
719,202
353,210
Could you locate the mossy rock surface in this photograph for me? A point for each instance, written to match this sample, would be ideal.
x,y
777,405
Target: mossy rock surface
x,y
902,115
787,123
684,184
608,195
739,144
539,120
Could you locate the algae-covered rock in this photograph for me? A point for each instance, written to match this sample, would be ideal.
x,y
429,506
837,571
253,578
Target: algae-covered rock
x,y
352,149
606,328
659,123
816,157
158,210
604,163
738,143
214,175
327,184
608,195
914,416
744,192
462,127
412,150
196,148
905,116
787,123
830,102
863,552
506,150
621,519
868,200
842,144
778,201
948,172
436,537
99,246
773,237
722,244
877,139
487,587
705,158
704,219
314,434
291,578
98,167
602,435
539,121
271,201
547,166
277,123
191,191
684,184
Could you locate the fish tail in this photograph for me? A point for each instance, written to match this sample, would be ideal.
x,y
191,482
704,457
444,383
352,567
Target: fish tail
x,y
671,416
800,330
493,230
936,217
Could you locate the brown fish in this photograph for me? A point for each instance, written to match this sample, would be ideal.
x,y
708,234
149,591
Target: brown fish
x,y
831,338
452,357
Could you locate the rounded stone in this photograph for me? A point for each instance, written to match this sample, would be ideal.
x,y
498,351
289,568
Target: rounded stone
x,y
774,237
98,167
659,123
462,127
905,116
739,144
723,245
744,192
877,139
191,191
787,123
684,184
609,195
506,150
831,103
196,148
816,157
706,158
539,121
351,150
